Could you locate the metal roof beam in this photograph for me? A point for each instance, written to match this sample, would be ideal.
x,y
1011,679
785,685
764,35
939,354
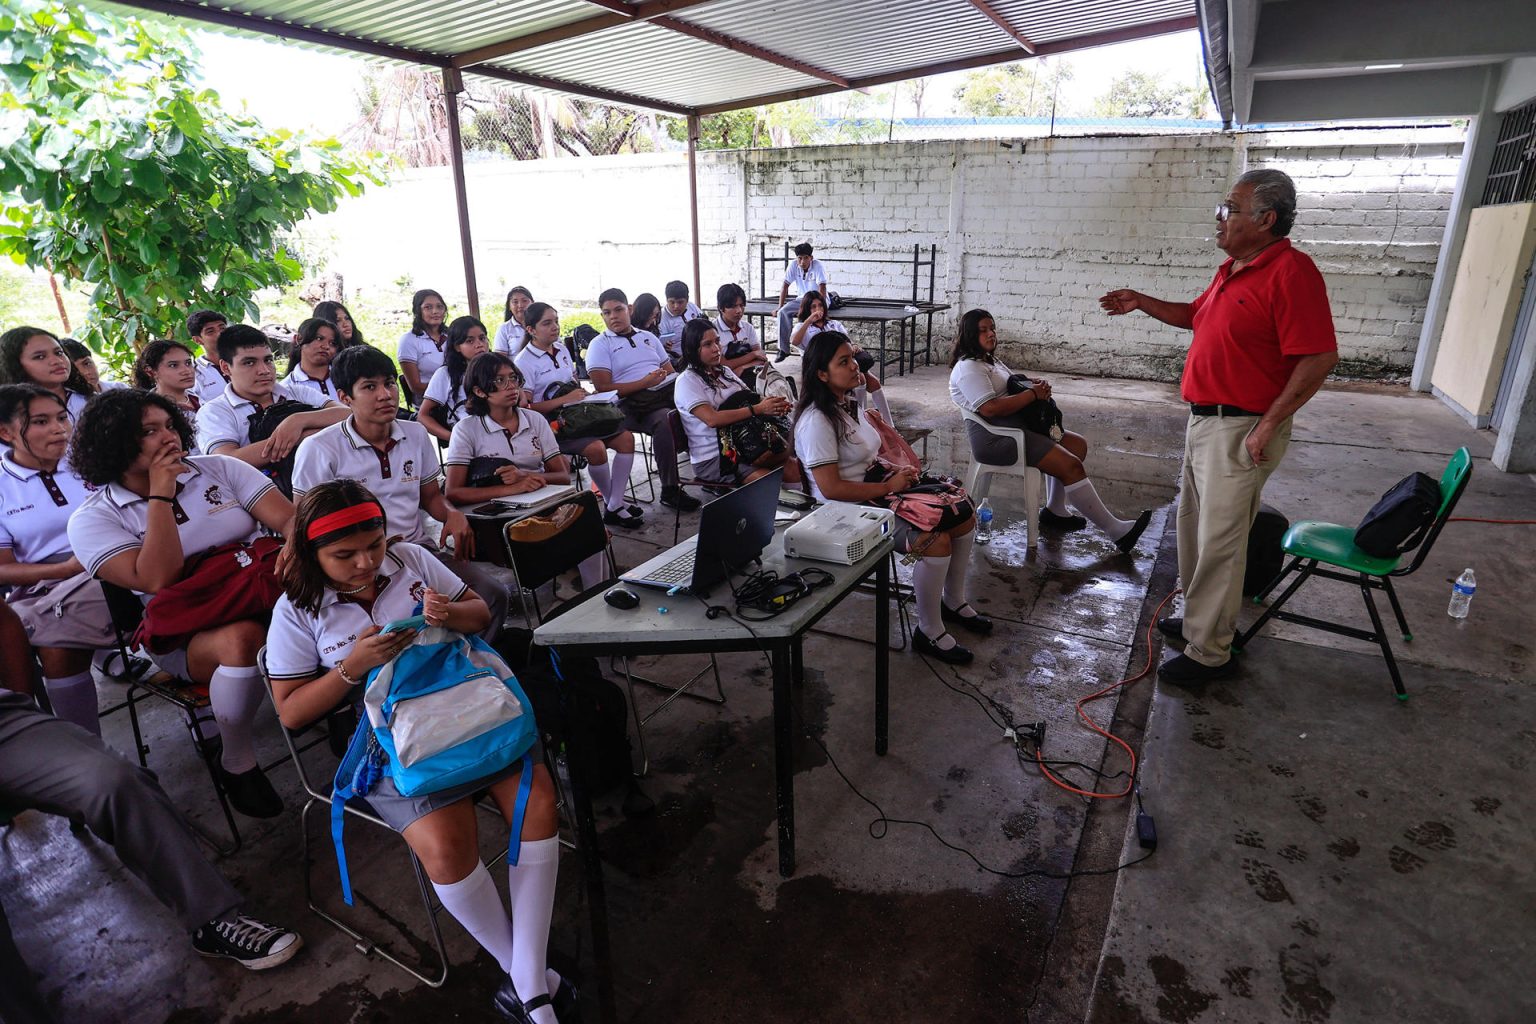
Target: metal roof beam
x,y
997,18
1155,28
649,11
749,49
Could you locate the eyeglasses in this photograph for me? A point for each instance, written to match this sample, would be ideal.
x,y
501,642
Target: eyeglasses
x,y
503,383
1226,210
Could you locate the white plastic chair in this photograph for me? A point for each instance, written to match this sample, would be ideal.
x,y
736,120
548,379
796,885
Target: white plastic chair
x,y
979,480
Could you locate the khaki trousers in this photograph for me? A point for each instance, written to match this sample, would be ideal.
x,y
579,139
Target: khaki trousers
x,y
1218,498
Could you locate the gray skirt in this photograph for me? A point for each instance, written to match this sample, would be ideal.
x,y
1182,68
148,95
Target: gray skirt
x,y
990,449
576,445
400,811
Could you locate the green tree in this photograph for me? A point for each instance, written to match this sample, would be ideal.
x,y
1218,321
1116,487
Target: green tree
x,y
1145,94
119,172
778,124
1026,89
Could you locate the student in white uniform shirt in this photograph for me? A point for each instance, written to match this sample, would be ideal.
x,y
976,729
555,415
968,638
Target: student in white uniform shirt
x,y
224,424
61,607
814,319
204,328
675,314
839,446
634,364
347,331
511,335
31,355
443,404
544,362
346,578
85,362
701,389
420,351
743,349
156,509
805,275
309,360
397,460
169,368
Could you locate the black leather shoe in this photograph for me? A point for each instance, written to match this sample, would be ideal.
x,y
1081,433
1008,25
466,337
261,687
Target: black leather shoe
x,y
625,518
676,497
977,623
250,793
1066,524
565,999
1171,626
512,1009
955,655
1187,671
1126,543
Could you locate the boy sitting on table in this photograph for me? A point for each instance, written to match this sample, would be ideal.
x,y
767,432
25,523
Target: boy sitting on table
x,y
807,275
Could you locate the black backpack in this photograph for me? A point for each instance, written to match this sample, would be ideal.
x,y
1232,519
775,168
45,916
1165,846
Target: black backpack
x,y
263,423
1400,521
1265,557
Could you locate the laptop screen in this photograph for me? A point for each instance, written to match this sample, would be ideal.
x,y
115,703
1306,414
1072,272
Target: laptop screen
x,y
735,528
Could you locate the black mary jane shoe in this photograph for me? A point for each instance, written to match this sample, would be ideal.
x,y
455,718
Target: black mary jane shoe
x,y
565,1000
977,623
1065,524
512,1009
1126,543
955,655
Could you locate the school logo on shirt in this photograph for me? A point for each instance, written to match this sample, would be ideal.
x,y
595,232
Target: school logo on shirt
x,y
213,496
406,470
418,591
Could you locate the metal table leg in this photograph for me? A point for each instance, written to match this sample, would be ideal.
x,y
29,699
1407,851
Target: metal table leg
x,y
784,758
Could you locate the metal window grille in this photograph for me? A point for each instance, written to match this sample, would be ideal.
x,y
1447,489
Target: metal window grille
x,y
1512,178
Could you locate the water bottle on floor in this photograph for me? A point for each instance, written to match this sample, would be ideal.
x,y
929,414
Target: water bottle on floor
x,y
1461,595
984,522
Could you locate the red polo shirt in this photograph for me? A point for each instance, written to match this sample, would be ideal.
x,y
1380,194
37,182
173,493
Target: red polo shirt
x,y
1252,327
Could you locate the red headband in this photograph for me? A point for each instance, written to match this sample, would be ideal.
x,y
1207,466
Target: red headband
x,y
345,517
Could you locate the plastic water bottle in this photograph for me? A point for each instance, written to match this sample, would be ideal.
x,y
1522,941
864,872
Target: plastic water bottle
x,y
984,523
1461,595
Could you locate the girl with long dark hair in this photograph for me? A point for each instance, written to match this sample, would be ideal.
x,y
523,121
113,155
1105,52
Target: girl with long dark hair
x,y
309,360
511,336
347,331
703,386
31,355
445,391
816,317
420,351
169,368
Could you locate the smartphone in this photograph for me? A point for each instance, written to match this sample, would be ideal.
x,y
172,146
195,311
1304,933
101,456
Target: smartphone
x,y
414,622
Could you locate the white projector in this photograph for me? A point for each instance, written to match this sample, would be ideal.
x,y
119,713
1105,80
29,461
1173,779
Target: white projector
x,y
838,532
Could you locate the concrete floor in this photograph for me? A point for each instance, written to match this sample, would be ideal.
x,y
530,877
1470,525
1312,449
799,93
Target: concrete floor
x,y
1325,852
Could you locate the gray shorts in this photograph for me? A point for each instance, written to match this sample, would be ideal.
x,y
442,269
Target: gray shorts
x,y
990,449
577,445
711,471
399,811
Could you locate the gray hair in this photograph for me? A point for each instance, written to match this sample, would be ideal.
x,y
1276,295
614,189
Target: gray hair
x,y
1273,190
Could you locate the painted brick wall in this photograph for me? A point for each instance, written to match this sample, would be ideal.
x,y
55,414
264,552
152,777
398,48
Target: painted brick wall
x,y
1034,231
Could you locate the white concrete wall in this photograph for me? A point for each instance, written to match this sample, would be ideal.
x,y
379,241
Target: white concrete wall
x,y
1034,230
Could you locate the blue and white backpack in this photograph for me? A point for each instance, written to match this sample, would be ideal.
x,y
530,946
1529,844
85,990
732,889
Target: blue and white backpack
x,y
445,711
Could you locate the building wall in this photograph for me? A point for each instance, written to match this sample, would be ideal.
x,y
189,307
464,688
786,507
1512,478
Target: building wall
x,y
1034,230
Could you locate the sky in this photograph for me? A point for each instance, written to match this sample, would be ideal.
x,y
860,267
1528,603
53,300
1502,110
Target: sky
x,y
300,88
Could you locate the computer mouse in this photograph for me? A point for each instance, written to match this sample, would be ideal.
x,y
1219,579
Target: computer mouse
x,y
621,598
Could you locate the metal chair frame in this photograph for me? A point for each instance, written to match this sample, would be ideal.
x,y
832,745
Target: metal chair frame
x,y
978,481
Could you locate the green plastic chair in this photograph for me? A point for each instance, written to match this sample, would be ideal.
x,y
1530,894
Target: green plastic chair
x,y
1324,549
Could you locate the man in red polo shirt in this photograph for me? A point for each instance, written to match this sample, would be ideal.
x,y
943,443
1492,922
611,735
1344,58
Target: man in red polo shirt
x,y
1263,344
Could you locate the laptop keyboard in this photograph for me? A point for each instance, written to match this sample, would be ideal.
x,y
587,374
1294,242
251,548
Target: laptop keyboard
x,y
679,570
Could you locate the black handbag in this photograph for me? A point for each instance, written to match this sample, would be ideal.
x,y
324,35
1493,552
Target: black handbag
x,y
640,404
1400,521
1042,416
482,470
262,424
742,444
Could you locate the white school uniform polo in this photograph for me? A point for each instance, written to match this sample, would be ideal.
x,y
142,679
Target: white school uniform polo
x,y
805,281
395,476
693,391
210,383
227,419
34,510
820,442
744,332
421,350
541,369
975,382
672,327
529,447
629,359
74,404
213,504
302,644
826,325
298,379
111,385
437,390
509,338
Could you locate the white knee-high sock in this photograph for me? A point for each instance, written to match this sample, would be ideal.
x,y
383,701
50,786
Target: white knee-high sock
x,y
74,700
474,903
1056,497
1085,498
959,566
622,463
602,475
928,584
531,891
235,694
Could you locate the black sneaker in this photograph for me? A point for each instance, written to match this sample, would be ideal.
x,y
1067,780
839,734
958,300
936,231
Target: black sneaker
x,y
782,355
625,518
676,497
247,941
250,793
1066,524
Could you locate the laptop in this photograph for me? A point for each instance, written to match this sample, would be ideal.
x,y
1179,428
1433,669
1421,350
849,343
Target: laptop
x,y
733,530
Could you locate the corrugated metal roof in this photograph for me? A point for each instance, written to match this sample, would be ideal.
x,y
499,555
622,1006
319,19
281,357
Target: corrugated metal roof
x,y
753,51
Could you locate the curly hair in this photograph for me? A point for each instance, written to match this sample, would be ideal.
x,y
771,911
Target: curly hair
x,y
14,341
968,338
150,359
106,438
304,581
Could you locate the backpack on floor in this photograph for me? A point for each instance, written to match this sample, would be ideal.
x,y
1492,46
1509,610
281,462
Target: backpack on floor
x,y
443,712
1265,557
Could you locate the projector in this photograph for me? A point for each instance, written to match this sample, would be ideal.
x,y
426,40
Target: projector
x,y
838,532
